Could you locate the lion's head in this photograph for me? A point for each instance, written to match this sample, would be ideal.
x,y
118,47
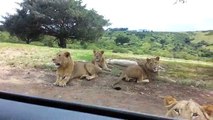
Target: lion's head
x,y
152,64
98,55
62,59
184,109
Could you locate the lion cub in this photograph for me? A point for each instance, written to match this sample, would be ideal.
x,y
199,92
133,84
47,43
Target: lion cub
x,y
142,72
99,60
68,69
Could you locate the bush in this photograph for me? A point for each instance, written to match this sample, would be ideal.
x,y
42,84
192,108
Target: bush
x,y
6,37
164,53
120,50
105,43
137,52
74,45
120,40
48,41
183,55
92,46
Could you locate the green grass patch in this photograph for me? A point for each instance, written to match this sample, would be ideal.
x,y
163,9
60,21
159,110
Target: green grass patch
x,y
196,83
206,36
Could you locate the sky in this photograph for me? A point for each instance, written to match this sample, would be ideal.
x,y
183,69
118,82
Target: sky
x,y
156,15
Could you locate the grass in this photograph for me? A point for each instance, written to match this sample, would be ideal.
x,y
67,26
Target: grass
x,y
185,72
206,36
196,83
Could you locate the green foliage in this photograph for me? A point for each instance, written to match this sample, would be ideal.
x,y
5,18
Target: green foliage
x,y
120,50
62,19
167,44
48,40
74,45
121,40
22,24
6,37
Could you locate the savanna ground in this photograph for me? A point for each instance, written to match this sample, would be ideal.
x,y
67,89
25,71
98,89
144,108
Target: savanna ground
x,y
28,70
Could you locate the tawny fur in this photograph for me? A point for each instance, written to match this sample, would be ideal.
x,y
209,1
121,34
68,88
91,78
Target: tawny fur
x,y
169,102
99,60
68,69
185,109
209,109
143,72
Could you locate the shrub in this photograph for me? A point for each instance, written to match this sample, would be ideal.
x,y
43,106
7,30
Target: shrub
x,y
6,37
48,41
120,50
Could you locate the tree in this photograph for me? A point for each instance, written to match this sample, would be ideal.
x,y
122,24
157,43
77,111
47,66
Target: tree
x,y
180,1
89,26
117,29
187,41
120,40
23,25
60,18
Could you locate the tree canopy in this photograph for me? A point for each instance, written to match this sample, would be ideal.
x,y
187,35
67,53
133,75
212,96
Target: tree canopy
x,y
60,18
120,40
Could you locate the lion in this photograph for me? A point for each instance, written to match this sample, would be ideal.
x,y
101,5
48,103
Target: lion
x,y
68,69
99,60
185,109
143,72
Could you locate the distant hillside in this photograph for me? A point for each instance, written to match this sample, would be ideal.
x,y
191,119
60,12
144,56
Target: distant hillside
x,y
184,45
203,35
187,45
206,36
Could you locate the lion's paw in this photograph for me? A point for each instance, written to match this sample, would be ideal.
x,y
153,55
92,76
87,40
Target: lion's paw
x,y
55,83
62,84
83,76
90,77
143,81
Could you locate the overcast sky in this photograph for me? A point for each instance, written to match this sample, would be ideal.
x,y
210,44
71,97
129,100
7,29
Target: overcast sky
x,y
157,15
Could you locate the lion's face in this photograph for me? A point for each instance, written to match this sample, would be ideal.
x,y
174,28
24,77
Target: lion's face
x,y
152,64
185,109
98,55
61,59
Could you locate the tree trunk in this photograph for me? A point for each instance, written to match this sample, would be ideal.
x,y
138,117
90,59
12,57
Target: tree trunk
x,y
28,41
62,43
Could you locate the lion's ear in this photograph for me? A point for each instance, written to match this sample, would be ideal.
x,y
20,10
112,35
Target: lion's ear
x,y
157,58
102,52
94,51
148,60
140,62
169,100
67,54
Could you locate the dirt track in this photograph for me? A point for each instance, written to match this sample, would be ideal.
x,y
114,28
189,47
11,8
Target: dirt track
x,y
135,97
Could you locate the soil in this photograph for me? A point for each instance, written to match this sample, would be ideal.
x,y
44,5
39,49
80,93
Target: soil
x,y
146,98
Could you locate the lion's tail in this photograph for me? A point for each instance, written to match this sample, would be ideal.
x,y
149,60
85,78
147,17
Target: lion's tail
x,y
117,81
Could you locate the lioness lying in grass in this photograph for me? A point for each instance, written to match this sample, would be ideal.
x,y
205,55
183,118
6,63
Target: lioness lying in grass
x,y
143,72
68,69
99,60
